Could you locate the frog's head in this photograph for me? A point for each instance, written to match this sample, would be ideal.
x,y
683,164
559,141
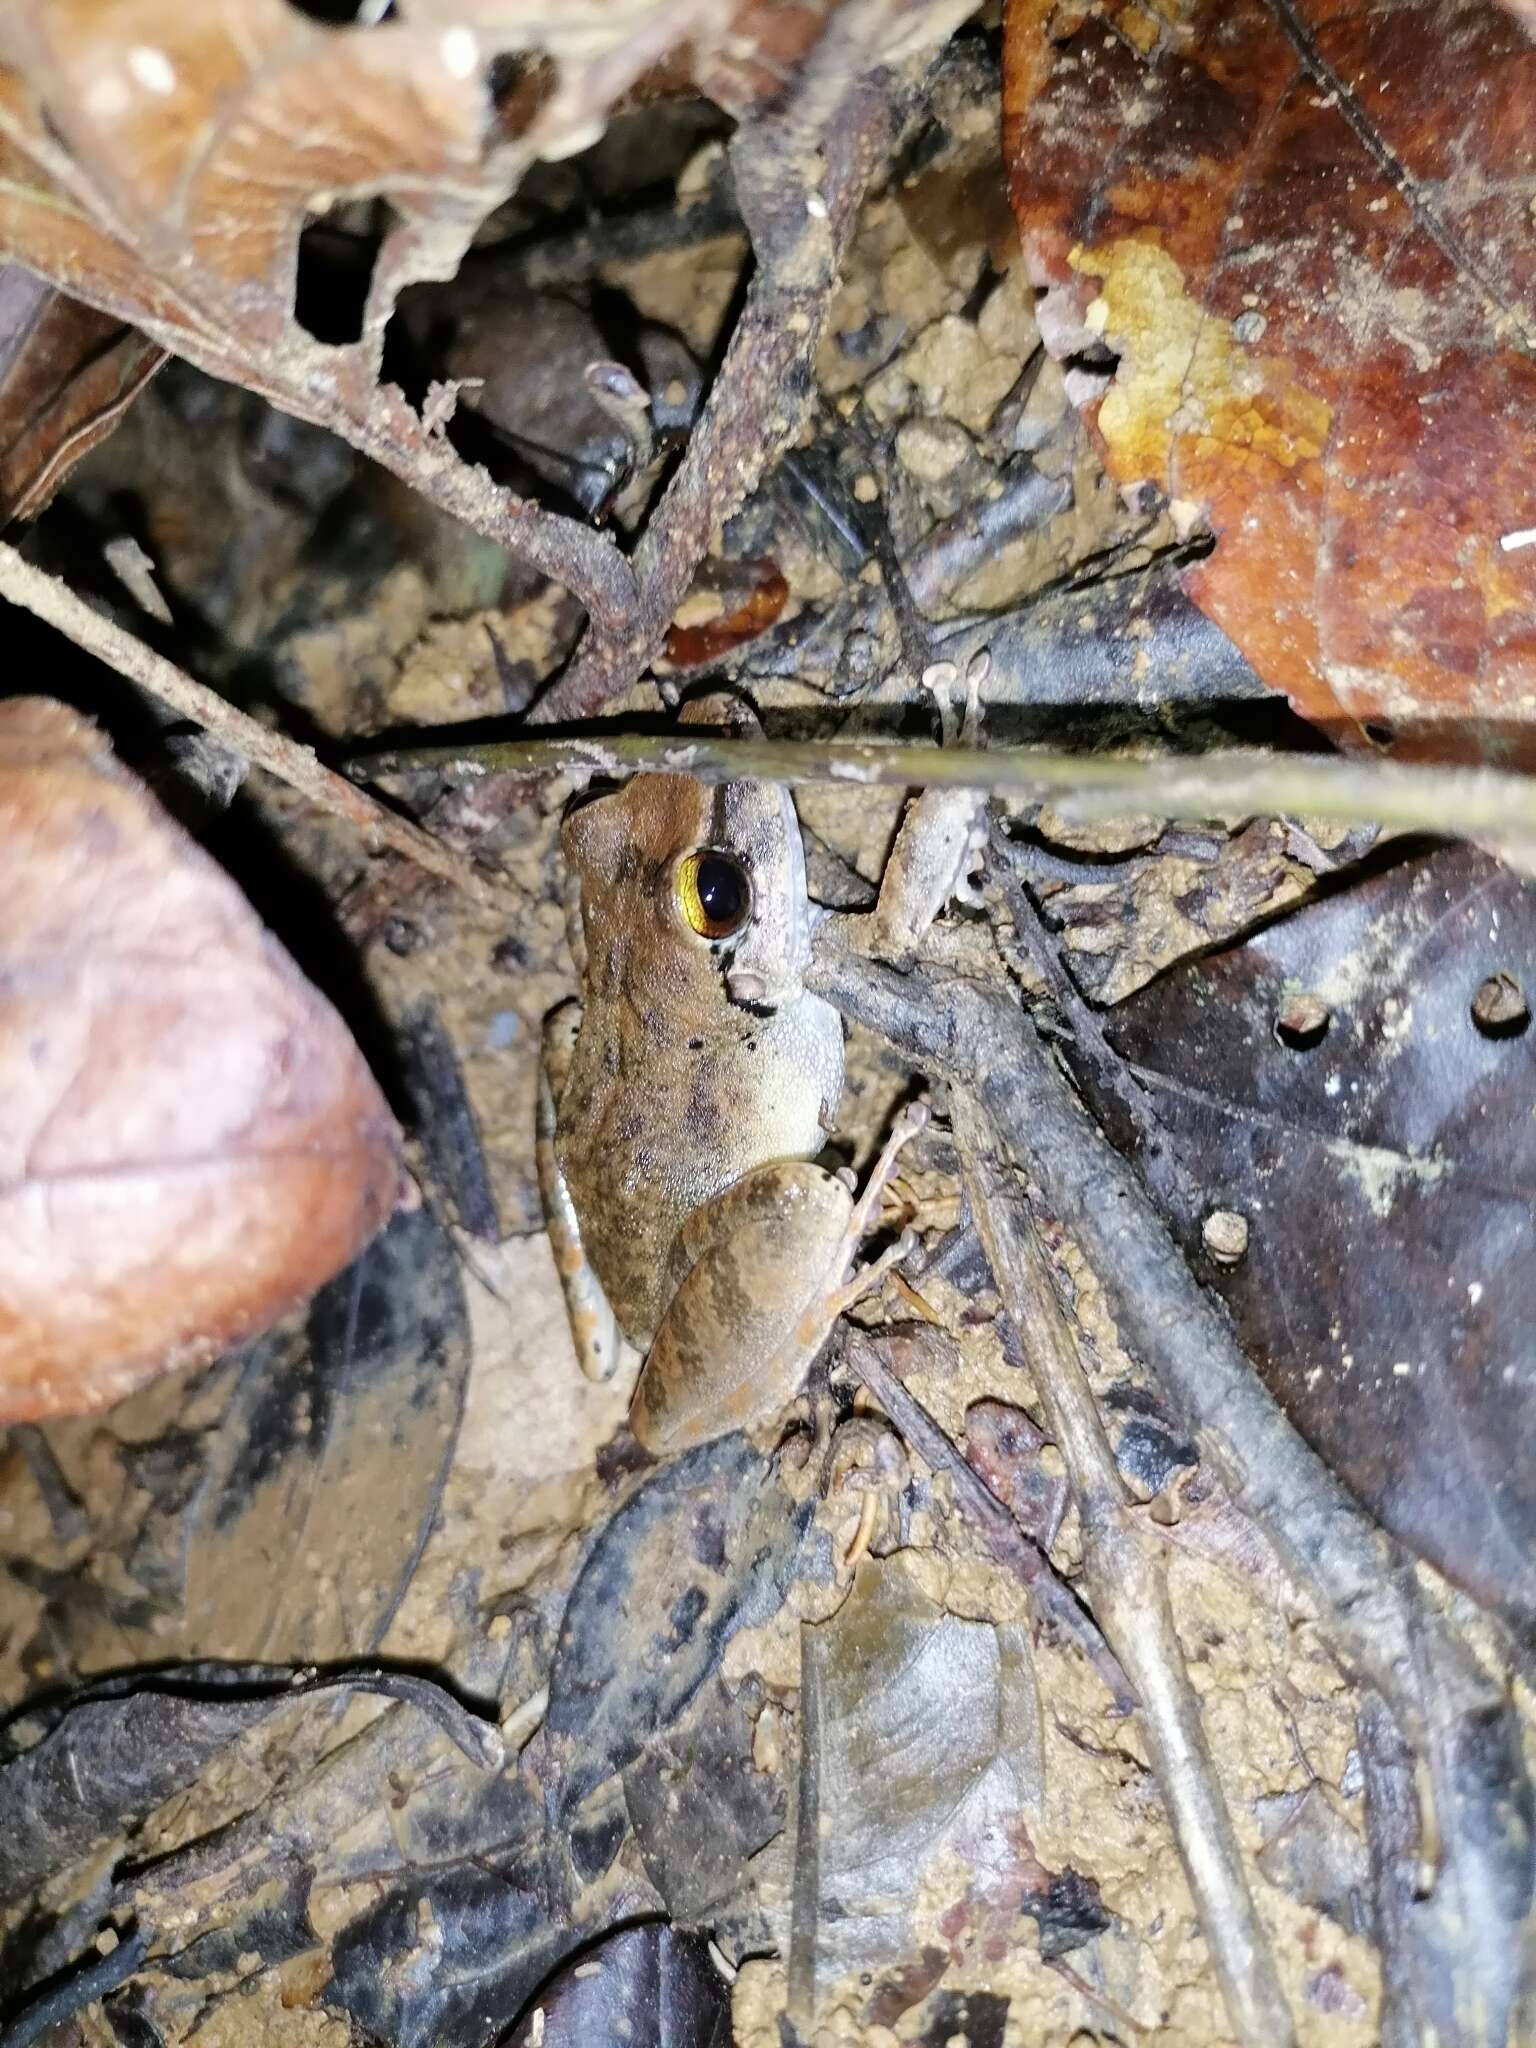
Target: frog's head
x,y
695,892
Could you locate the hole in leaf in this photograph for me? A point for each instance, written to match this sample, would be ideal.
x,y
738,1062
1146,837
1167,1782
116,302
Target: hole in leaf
x,y
1379,732
1096,360
345,13
337,252
1501,1009
1302,1022
521,84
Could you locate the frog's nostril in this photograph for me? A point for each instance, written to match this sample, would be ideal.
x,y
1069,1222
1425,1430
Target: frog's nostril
x,y
744,986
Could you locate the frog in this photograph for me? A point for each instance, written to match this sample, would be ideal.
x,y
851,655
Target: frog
x,y
686,1098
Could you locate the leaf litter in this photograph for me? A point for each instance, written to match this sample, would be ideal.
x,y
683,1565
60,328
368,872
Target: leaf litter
x,y
674,1658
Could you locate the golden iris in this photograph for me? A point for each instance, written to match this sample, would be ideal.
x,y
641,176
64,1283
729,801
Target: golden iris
x,y
713,893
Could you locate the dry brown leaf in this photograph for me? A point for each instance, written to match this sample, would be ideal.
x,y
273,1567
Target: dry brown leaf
x,y
1305,234
67,375
161,161
191,1141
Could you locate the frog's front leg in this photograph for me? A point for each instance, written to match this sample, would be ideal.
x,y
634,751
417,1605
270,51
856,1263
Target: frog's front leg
x,y
593,1327
766,1269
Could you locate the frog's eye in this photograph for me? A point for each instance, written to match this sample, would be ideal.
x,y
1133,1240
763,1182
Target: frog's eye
x,y
713,893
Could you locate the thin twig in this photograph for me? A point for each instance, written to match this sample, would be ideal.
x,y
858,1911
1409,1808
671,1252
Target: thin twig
x,y
1125,1580
1159,1156
805,1897
1053,1598
93,1980
1468,803
957,547
1392,1836
54,602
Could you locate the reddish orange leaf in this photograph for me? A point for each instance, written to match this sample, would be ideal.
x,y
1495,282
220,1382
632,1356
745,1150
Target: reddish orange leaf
x,y
191,1141
1305,234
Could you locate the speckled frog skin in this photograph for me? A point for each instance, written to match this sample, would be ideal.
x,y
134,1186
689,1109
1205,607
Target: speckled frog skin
x,y
688,1098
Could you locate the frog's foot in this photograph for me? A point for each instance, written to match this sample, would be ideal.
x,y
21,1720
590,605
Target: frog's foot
x,y
852,1285
868,1279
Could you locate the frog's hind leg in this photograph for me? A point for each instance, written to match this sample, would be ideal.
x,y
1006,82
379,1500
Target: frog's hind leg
x,y
754,1262
594,1330
767,1270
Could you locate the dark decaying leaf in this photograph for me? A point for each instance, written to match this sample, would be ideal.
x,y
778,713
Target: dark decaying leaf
x,y
287,1522
1299,238
705,1548
118,1751
67,375
192,1142
920,1741
701,1807
436,1862
1329,1082
479,1849
649,1987
445,1116
450,1979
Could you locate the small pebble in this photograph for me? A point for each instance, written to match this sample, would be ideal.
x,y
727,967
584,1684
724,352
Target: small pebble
x,y
1226,1236
931,450
1500,1005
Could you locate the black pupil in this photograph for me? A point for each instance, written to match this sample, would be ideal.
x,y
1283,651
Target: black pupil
x,y
722,890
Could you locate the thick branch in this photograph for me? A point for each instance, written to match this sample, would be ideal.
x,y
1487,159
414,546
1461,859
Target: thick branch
x,y
763,394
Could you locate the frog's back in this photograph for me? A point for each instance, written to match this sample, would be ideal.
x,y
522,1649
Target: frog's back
x,y
655,1120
